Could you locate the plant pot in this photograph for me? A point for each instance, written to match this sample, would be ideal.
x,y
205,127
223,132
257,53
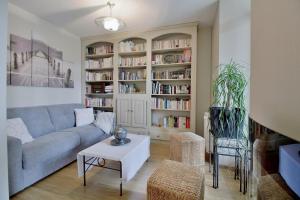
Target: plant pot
x,y
226,123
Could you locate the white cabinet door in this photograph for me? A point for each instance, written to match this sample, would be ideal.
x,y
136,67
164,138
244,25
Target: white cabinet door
x,y
139,113
124,111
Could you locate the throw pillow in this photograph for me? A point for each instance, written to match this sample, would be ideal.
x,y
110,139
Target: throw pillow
x,y
105,121
16,128
84,116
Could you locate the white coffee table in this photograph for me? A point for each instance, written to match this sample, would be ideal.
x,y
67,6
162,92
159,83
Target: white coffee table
x,y
131,157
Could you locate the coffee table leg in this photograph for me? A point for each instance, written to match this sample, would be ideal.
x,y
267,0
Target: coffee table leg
x,y
84,181
121,192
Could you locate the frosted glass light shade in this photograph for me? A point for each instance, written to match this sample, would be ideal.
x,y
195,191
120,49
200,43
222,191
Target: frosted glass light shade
x,y
110,23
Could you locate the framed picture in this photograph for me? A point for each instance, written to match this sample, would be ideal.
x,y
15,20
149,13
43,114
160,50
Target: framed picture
x,y
68,74
56,75
19,63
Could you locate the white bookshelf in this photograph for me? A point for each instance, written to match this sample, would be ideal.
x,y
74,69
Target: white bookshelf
x,y
99,69
134,108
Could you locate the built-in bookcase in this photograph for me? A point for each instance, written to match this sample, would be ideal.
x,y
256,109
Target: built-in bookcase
x,y
171,66
132,66
148,79
99,67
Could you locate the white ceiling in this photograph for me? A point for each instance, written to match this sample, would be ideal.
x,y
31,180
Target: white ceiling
x,y
77,16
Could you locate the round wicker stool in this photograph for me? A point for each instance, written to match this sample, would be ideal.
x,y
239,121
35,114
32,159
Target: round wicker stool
x,y
188,148
176,181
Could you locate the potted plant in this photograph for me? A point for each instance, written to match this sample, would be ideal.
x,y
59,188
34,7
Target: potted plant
x,y
228,112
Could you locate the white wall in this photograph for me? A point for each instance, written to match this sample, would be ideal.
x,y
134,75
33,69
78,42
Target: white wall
x,y
231,40
22,23
3,139
275,70
203,76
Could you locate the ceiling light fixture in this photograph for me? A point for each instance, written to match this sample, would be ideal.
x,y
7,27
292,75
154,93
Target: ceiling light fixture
x,y
110,23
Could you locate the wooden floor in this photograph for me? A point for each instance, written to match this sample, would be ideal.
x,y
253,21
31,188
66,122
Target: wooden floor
x,y
104,184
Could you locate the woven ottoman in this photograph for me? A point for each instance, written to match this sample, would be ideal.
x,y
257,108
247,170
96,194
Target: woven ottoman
x,y
176,181
188,148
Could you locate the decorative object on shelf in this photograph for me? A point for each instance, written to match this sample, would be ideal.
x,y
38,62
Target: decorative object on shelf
x,y
110,23
227,119
120,137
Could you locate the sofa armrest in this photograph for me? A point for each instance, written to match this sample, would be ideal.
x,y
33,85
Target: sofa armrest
x,y
15,169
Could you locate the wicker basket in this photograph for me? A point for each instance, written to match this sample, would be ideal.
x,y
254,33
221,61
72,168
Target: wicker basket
x,y
176,181
188,148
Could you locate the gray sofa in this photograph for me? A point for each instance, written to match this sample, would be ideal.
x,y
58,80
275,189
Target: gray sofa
x,y
56,143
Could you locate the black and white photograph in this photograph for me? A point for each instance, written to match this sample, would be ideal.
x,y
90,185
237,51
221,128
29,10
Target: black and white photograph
x,y
68,74
56,75
19,64
40,64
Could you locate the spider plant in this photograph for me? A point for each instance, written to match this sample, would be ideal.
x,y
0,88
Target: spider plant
x,y
229,100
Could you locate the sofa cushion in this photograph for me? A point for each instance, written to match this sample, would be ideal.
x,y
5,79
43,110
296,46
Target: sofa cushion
x,y
63,116
89,134
48,147
36,119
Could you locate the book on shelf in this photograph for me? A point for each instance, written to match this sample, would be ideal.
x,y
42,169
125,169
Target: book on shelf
x,y
132,61
131,46
129,89
101,49
184,57
174,74
158,88
109,89
98,102
132,75
99,64
98,76
175,122
170,104
171,44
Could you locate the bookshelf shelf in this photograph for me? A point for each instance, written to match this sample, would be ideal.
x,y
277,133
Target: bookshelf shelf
x,y
133,67
173,110
102,81
95,56
170,50
174,95
138,80
99,69
133,53
159,128
173,64
171,80
99,94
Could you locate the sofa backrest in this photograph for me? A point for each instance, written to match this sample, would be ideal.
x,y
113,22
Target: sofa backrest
x,y
41,120
63,116
37,119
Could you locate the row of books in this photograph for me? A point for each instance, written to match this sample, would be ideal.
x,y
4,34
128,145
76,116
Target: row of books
x,y
174,104
98,64
101,49
98,102
130,46
98,76
170,44
177,74
133,75
133,61
184,57
129,88
99,88
175,122
158,88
